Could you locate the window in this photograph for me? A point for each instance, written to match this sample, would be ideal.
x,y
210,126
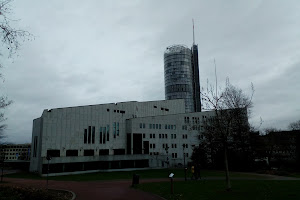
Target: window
x,y
153,135
175,145
171,136
35,142
172,145
166,136
85,136
159,126
89,135
104,133
107,110
100,135
166,126
159,135
118,129
150,135
114,129
53,153
163,145
88,152
155,106
150,126
150,146
174,127
93,134
71,153
163,135
141,125
153,126
144,135
156,126
166,109
153,146
171,126
144,126
174,136
107,132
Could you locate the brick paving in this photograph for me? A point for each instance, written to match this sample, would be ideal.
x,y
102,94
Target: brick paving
x,y
93,190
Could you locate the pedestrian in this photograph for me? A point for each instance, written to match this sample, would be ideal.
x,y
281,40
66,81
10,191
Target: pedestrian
x,y
193,172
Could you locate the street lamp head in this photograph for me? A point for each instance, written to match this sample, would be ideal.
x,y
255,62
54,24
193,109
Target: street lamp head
x,y
48,157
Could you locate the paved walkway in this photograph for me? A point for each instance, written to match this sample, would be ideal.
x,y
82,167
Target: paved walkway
x,y
94,190
118,189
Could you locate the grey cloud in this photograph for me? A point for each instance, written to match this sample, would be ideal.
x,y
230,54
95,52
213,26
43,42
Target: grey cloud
x,y
104,51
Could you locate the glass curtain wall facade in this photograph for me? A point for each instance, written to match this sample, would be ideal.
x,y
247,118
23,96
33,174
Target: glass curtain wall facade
x,y
178,71
196,79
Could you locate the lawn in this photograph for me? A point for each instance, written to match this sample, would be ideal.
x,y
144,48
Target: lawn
x,y
144,174
215,189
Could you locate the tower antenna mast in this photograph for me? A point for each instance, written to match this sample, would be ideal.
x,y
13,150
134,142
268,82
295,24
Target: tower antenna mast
x,y
193,33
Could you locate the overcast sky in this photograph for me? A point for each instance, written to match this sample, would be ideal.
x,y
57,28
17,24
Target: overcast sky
x,y
95,52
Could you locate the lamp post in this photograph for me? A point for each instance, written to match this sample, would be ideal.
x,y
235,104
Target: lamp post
x,y
183,146
48,158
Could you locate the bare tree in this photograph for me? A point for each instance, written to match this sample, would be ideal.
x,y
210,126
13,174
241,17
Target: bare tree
x,y
294,125
230,122
10,43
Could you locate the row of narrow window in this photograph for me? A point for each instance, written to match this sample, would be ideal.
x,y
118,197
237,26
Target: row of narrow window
x,y
164,136
89,133
166,109
195,127
158,126
86,152
117,111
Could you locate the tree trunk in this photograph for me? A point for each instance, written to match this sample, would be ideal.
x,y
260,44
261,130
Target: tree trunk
x,y
227,170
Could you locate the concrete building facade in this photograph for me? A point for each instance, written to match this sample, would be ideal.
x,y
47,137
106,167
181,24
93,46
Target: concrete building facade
x,y
115,136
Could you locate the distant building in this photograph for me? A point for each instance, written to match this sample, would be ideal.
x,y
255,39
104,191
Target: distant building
x,y
182,76
114,136
279,147
15,152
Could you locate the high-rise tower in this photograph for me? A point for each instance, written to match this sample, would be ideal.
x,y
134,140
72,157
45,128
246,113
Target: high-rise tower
x,y
179,75
182,75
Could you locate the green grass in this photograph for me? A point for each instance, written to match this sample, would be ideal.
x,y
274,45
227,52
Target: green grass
x,y
144,174
241,190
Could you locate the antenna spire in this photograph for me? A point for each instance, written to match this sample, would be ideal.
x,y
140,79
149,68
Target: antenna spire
x,y
193,33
